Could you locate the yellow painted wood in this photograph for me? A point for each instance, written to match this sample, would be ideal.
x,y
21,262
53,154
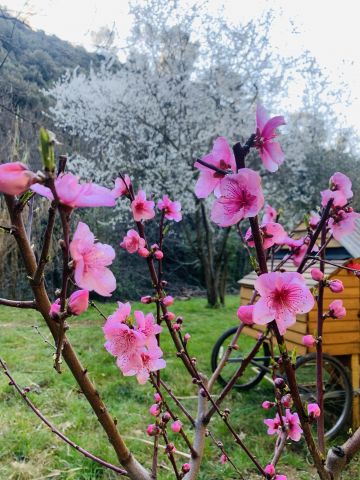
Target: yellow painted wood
x,y
355,377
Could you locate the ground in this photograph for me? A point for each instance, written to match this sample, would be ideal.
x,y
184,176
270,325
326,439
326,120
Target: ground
x,y
28,449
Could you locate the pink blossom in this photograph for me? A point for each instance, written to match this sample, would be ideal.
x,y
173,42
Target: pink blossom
x,y
143,252
123,342
78,302
172,210
273,424
142,209
74,194
313,410
270,214
155,410
272,234
287,401
241,197
15,178
269,469
157,397
336,286
132,241
185,467
308,340
337,309
176,426
91,260
314,219
55,308
343,224
340,190
292,423
148,361
283,296
245,314
223,459
158,254
121,188
270,152
168,300
221,157
147,325
317,274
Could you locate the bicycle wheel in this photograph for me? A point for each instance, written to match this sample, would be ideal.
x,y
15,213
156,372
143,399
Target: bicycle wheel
x,y
253,373
337,390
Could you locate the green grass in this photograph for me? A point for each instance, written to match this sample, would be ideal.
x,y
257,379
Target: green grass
x,y
28,450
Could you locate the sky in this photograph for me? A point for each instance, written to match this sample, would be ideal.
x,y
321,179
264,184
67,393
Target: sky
x,y
327,28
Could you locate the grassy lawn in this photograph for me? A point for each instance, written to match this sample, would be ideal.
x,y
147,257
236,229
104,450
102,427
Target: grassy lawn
x,y
28,450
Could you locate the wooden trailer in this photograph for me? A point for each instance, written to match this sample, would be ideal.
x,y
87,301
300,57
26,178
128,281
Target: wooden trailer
x,y
341,338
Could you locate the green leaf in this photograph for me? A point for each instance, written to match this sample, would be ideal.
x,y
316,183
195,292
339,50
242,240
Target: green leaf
x,y
47,141
254,262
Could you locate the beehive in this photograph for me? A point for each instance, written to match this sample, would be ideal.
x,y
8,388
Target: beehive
x,y
341,338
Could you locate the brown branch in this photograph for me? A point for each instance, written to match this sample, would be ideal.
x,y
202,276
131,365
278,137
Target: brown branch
x,y
46,245
178,403
339,457
18,303
54,430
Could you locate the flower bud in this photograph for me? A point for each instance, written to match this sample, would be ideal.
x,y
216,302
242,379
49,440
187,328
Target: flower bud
x,y
157,397
176,327
176,426
266,405
170,316
146,300
78,302
337,309
170,448
143,252
287,401
168,301
187,337
269,469
280,382
185,468
313,410
336,286
308,340
245,314
223,459
166,417
158,255
152,430
317,274
155,410
55,309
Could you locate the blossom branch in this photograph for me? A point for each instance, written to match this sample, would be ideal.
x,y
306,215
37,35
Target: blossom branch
x,y
54,430
338,457
46,244
177,401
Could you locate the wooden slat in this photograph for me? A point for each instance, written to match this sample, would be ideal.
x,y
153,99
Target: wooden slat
x,y
342,349
337,326
355,377
349,292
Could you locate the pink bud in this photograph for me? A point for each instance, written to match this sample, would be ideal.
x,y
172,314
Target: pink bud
x,y
170,316
337,309
168,301
317,274
176,327
223,459
308,340
15,178
154,246
280,477
187,337
269,469
143,252
245,314
152,430
170,448
157,397
78,302
166,417
267,405
176,426
55,308
154,410
336,286
158,255
185,468
146,300
313,410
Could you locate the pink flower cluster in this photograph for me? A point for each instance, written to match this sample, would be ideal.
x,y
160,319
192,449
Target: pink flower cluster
x,y
339,190
134,343
291,422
